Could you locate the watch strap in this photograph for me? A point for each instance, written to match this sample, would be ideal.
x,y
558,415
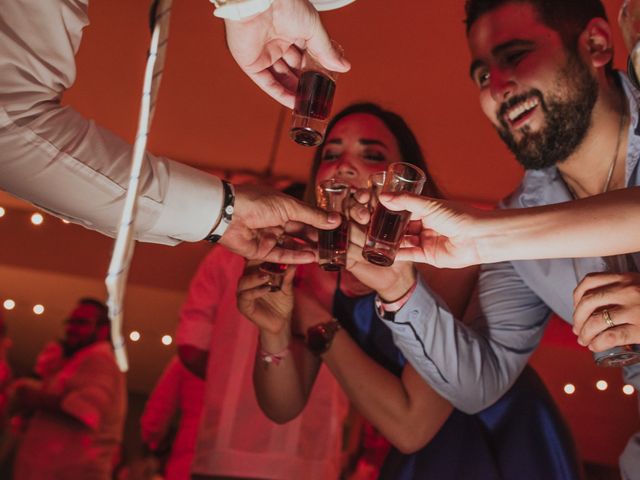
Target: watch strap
x,y
226,215
320,336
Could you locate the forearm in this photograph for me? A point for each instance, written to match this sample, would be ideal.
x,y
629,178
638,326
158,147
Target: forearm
x,y
279,387
56,159
564,230
387,401
471,366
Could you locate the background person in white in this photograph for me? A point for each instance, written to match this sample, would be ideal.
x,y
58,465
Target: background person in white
x,y
79,409
235,438
177,393
60,161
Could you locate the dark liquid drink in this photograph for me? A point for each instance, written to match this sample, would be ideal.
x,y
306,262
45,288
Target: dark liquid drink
x,y
386,231
314,98
332,247
315,95
276,272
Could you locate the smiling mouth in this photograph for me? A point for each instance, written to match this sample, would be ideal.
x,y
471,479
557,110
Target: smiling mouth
x,y
520,112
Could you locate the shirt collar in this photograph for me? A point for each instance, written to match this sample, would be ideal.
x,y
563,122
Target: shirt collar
x,y
545,186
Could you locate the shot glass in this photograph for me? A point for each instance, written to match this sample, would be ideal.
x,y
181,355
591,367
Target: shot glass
x,y
333,196
375,184
276,274
314,99
387,228
622,355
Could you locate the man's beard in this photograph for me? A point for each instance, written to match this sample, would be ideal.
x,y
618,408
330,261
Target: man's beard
x,y
567,120
71,349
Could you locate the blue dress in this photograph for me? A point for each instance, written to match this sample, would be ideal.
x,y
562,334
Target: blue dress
x,y
522,436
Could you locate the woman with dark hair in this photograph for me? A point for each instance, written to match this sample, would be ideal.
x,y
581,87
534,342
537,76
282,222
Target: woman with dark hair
x,y
408,146
333,320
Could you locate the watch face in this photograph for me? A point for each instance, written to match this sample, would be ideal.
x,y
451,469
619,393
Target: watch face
x,y
316,339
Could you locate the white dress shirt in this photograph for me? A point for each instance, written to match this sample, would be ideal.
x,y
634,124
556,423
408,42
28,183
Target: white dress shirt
x,y
55,158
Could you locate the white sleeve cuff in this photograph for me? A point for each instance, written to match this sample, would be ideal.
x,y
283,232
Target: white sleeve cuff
x,y
191,205
324,5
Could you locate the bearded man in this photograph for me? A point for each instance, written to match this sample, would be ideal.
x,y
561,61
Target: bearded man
x,y
543,70
79,407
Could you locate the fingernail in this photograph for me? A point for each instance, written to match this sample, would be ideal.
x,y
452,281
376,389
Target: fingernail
x,y
334,217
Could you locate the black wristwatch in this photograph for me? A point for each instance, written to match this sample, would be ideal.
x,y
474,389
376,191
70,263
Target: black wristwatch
x,y
319,337
226,215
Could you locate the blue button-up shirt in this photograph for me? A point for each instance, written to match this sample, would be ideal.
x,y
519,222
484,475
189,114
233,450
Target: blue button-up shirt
x,y
473,365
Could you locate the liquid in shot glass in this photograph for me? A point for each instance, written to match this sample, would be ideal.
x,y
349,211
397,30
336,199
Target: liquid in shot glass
x,y
314,99
387,227
375,184
333,196
276,273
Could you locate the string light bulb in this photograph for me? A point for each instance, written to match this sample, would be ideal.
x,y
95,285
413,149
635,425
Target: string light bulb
x,y
38,309
628,389
569,389
167,340
602,385
9,304
134,336
37,219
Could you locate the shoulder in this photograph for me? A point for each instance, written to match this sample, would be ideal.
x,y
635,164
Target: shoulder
x,y
99,355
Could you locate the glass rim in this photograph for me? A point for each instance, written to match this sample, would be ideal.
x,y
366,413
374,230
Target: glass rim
x,y
333,185
381,173
421,175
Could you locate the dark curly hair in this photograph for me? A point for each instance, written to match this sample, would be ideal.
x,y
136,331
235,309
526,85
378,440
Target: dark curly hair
x,y
567,17
103,311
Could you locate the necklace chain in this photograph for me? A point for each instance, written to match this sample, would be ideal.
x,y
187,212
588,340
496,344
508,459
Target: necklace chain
x,y
612,166
605,188
607,183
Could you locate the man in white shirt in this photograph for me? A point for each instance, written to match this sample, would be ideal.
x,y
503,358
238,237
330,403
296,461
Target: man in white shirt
x,y
60,161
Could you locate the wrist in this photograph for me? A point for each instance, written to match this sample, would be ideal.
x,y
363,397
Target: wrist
x,y
496,236
388,310
399,288
274,342
225,215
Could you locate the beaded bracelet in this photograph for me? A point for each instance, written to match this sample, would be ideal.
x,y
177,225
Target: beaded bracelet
x,y
274,358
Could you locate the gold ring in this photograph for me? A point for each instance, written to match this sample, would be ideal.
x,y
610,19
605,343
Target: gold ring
x,y
607,318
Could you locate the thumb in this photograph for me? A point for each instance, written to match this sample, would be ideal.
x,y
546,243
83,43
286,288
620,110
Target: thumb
x,y
326,51
416,204
287,281
301,212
